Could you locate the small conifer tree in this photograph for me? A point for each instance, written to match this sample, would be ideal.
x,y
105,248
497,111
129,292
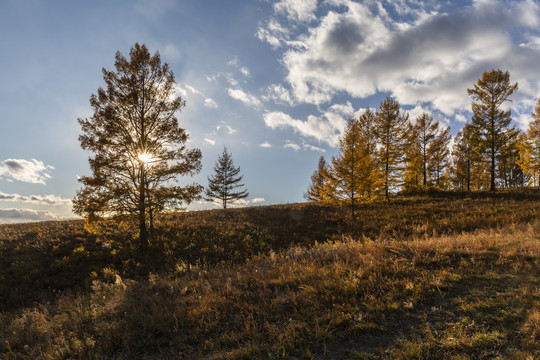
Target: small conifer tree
x,y
225,183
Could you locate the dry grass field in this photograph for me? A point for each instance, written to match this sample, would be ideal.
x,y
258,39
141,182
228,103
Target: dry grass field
x,y
453,276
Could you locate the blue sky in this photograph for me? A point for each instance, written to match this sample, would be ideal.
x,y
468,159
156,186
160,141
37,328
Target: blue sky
x,y
274,81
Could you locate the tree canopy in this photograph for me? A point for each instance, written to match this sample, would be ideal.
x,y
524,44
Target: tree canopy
x,y
391,131
353,175
490,122
426,153
352,169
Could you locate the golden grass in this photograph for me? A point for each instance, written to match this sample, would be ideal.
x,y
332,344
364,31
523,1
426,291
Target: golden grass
x,y
445,276
467,296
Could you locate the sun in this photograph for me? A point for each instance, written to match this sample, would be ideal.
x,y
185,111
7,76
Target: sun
x,y
146,157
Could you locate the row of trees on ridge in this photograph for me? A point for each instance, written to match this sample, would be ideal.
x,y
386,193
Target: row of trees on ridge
x,y
383,152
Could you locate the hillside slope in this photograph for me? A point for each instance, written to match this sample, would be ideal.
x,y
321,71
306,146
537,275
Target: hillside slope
x,y
268,285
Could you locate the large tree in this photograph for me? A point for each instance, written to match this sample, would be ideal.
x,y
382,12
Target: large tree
x,y
463,159
491,121
137,144
439,153
353,174
392,133
367,125
225,184
431,144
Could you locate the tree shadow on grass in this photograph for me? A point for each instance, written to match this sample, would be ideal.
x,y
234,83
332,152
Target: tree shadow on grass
x,y
480,316
38,263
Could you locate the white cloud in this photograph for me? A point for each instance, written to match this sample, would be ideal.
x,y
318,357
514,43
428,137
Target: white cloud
x,y
192,89
301,10
533,43
12,216
328,62
265,35
523,121
310,147
415,112
245,71
183,89
210,103
244,97
180,91
210,141
273,33
325,128
227,75
29,171
460,118
279,94
265,144
304,146
233,61
431,56
240,203
35,199
342,109
226,127
528,12
291,145
230,79
278,119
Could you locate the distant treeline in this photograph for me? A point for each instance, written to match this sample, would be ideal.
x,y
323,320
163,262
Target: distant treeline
x,y
383,152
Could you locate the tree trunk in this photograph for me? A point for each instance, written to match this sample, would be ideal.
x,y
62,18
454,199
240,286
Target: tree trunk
x,y
424,167
468,175
387,185
143,233
387,168
352,206
151,228
492,188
